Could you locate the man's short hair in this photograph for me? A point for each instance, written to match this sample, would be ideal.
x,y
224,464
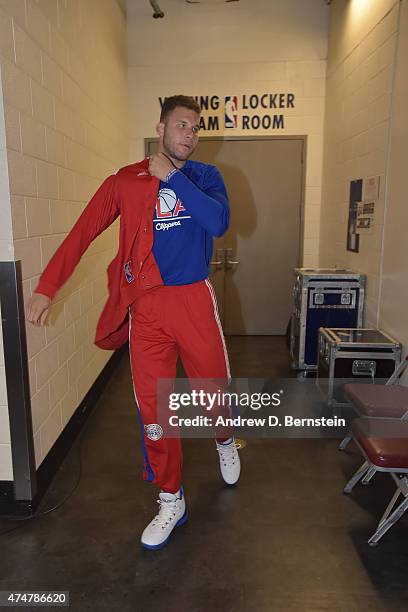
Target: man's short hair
x,y
173,102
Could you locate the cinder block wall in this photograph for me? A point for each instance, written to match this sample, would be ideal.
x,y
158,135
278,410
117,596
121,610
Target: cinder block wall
x,y
360,78
64,77
6,254
394,273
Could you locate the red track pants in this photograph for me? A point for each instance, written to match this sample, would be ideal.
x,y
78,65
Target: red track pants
x,y
166,322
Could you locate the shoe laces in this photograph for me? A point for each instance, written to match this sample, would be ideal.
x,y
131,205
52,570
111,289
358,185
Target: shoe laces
x,y
167,513
228,452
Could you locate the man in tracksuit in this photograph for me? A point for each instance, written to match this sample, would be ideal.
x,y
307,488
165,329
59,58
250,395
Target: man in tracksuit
x,y
160,298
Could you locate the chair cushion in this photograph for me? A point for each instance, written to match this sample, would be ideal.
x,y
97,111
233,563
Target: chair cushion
x,y
378,400
385,442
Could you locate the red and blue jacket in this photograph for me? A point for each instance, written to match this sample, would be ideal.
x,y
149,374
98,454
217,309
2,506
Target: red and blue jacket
x,y
132,194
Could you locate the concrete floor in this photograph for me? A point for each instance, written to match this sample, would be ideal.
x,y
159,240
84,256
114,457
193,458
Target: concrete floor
x,y
285,538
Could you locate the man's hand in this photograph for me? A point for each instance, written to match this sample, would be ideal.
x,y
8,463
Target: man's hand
x,y
38,309
160,165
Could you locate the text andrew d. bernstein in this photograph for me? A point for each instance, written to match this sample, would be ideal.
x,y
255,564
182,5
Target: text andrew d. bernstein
x,y
271,421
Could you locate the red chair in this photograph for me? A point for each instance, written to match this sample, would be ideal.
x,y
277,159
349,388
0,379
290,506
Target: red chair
x,y
384,444
379,401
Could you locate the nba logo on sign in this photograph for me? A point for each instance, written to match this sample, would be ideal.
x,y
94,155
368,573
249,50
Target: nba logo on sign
x,y
231,111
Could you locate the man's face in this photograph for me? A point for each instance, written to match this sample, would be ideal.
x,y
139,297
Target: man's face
x,y
179,133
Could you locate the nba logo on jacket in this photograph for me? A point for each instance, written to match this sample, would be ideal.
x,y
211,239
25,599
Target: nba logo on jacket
x,y
230,111
128,272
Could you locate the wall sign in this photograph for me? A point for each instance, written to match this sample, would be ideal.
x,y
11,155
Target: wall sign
x,y
365,217
245,112
353,238
366,208
371,188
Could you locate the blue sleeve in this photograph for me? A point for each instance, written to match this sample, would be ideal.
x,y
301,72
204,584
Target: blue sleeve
x,y
208,204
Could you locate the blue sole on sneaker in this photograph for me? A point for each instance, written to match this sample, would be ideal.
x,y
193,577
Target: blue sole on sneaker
x,y
179,523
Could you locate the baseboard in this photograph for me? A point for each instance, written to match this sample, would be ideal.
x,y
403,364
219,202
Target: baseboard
x,y
11,508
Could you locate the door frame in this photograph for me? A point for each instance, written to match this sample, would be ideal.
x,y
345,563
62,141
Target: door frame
x,y
303,138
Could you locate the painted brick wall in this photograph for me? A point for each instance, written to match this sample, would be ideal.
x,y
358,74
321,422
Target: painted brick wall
x,y
64,76
360,77
6,254
394,275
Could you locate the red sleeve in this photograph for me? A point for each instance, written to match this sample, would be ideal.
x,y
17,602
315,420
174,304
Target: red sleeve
x,y
100,212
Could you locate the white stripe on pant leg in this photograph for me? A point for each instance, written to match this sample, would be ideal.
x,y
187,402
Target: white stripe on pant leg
x,y
149,468
217,318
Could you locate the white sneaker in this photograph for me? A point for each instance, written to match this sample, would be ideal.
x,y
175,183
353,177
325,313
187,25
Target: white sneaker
x,y
172,513
230,463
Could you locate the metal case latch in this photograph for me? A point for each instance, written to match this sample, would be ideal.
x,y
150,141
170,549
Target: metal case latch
x,y
363,367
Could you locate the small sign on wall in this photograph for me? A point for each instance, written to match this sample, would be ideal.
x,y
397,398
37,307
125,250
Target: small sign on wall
x,y
363,197
365,217
371,188
356,192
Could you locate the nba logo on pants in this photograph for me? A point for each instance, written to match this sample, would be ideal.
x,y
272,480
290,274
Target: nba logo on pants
x,y
230,111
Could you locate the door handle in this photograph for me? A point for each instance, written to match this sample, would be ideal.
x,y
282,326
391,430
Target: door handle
x,y
230,263
220,261
217,263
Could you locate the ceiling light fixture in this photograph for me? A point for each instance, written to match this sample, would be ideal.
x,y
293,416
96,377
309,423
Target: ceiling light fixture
x,y
158,13
208,1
